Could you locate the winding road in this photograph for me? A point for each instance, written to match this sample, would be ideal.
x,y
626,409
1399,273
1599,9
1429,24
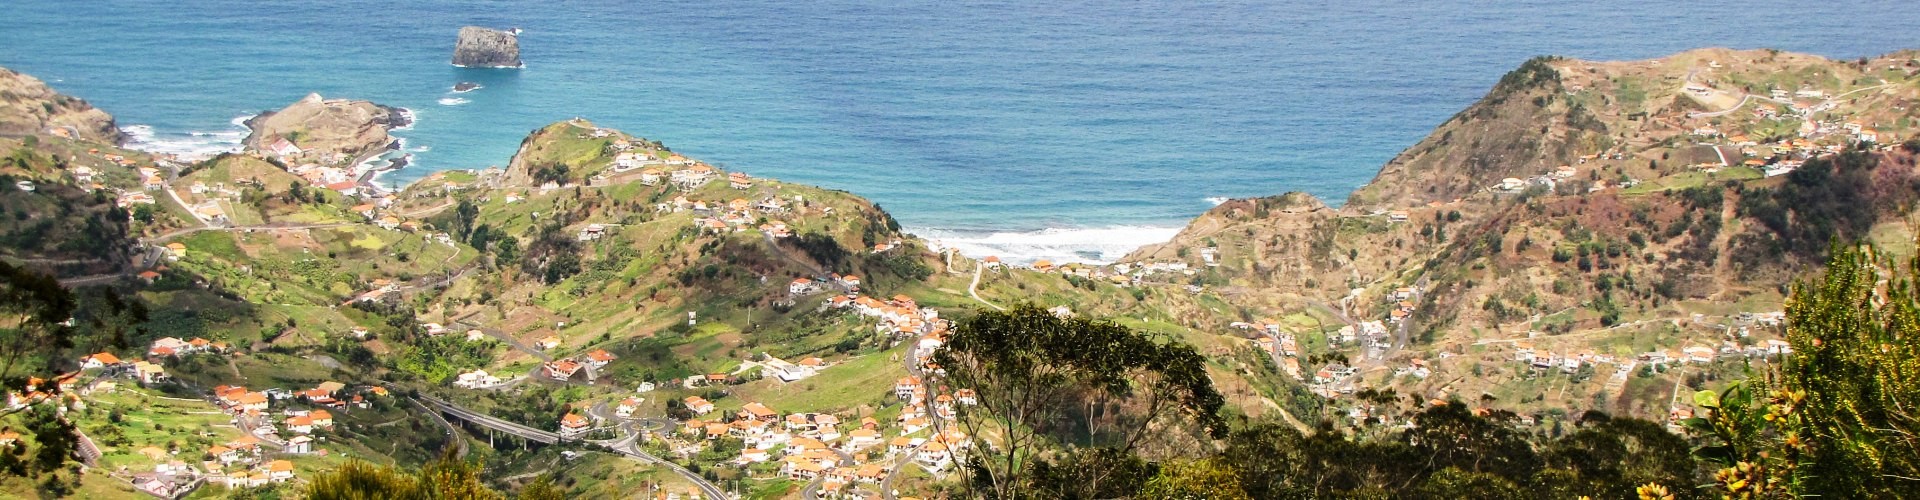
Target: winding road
x,y
974,287
627,444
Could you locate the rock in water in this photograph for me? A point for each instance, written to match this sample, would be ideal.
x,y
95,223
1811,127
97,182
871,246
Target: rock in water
x,y
486,48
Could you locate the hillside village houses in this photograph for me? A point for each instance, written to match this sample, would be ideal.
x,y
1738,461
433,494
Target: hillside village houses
x,y
900,317
809,445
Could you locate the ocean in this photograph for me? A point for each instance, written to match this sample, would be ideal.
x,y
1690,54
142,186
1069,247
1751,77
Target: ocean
x,y
1066,130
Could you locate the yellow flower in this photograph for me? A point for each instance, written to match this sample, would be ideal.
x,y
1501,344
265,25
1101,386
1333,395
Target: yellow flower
x,y
1651,491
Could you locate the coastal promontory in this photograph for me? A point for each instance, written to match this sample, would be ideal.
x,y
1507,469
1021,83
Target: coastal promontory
x,y
326,131
486,48
29,107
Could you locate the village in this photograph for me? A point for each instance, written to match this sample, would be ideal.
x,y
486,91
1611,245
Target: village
x,y
274,426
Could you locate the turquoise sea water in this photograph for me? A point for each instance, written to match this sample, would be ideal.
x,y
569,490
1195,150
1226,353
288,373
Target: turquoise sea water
x,y
1064,130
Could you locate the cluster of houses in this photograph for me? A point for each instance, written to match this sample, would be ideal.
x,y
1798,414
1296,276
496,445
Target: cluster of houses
x,y
788,371
1122,274
87,176
1332,380
237,464
38,391
1549,181
820,445
167,347
1702,354
899,317
250,411
1568,362
244,462
1371,333
380,288
735,215
685,173
566,368
804,286
1525,353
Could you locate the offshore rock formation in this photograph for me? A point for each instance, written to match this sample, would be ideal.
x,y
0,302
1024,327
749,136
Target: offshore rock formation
x,y
486,48
29,107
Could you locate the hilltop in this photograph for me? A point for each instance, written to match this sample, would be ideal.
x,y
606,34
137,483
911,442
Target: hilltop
x,y
329,132
28,106
1628,208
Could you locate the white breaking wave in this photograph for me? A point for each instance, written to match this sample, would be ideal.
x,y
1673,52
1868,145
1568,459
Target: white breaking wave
x,y
411,117
1217,200
189,145
1060,245
453,101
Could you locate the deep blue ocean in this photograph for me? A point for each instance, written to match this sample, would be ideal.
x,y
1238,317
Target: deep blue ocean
x,y
1065,130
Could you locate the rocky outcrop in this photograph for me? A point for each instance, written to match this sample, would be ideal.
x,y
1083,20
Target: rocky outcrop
x,y
486,48
325,131
29,107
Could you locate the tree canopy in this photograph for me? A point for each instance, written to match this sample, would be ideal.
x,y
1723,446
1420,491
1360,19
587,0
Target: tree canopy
x,y
1840,417
1047,382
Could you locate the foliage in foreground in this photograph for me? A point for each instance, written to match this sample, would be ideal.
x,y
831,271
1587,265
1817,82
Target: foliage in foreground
x,y
1838,418
444,478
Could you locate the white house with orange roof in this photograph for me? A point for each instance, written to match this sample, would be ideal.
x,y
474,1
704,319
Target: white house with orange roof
x,y
599,358
626,407
862,438
573,425
758,412
934,456
102,359
699,405
906,387
562,369
801,286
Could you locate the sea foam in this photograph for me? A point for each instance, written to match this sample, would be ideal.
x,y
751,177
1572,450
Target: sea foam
x,y
191,144
453,101
1060,245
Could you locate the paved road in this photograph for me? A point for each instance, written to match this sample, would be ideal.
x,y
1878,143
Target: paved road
x,y
531,434
906,459
484,420
453,435
972,288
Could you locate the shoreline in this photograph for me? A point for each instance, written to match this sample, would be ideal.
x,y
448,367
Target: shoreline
x,y
1103,244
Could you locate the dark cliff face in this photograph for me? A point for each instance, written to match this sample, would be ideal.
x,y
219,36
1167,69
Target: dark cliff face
x,y
486,48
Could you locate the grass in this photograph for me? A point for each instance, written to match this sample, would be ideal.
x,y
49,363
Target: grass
x,y
216,244
866,380
1696,178
601,475
150,419
773,489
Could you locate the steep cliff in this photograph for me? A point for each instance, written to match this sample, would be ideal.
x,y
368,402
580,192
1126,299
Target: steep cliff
x,y
486,48
29,107
326,131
